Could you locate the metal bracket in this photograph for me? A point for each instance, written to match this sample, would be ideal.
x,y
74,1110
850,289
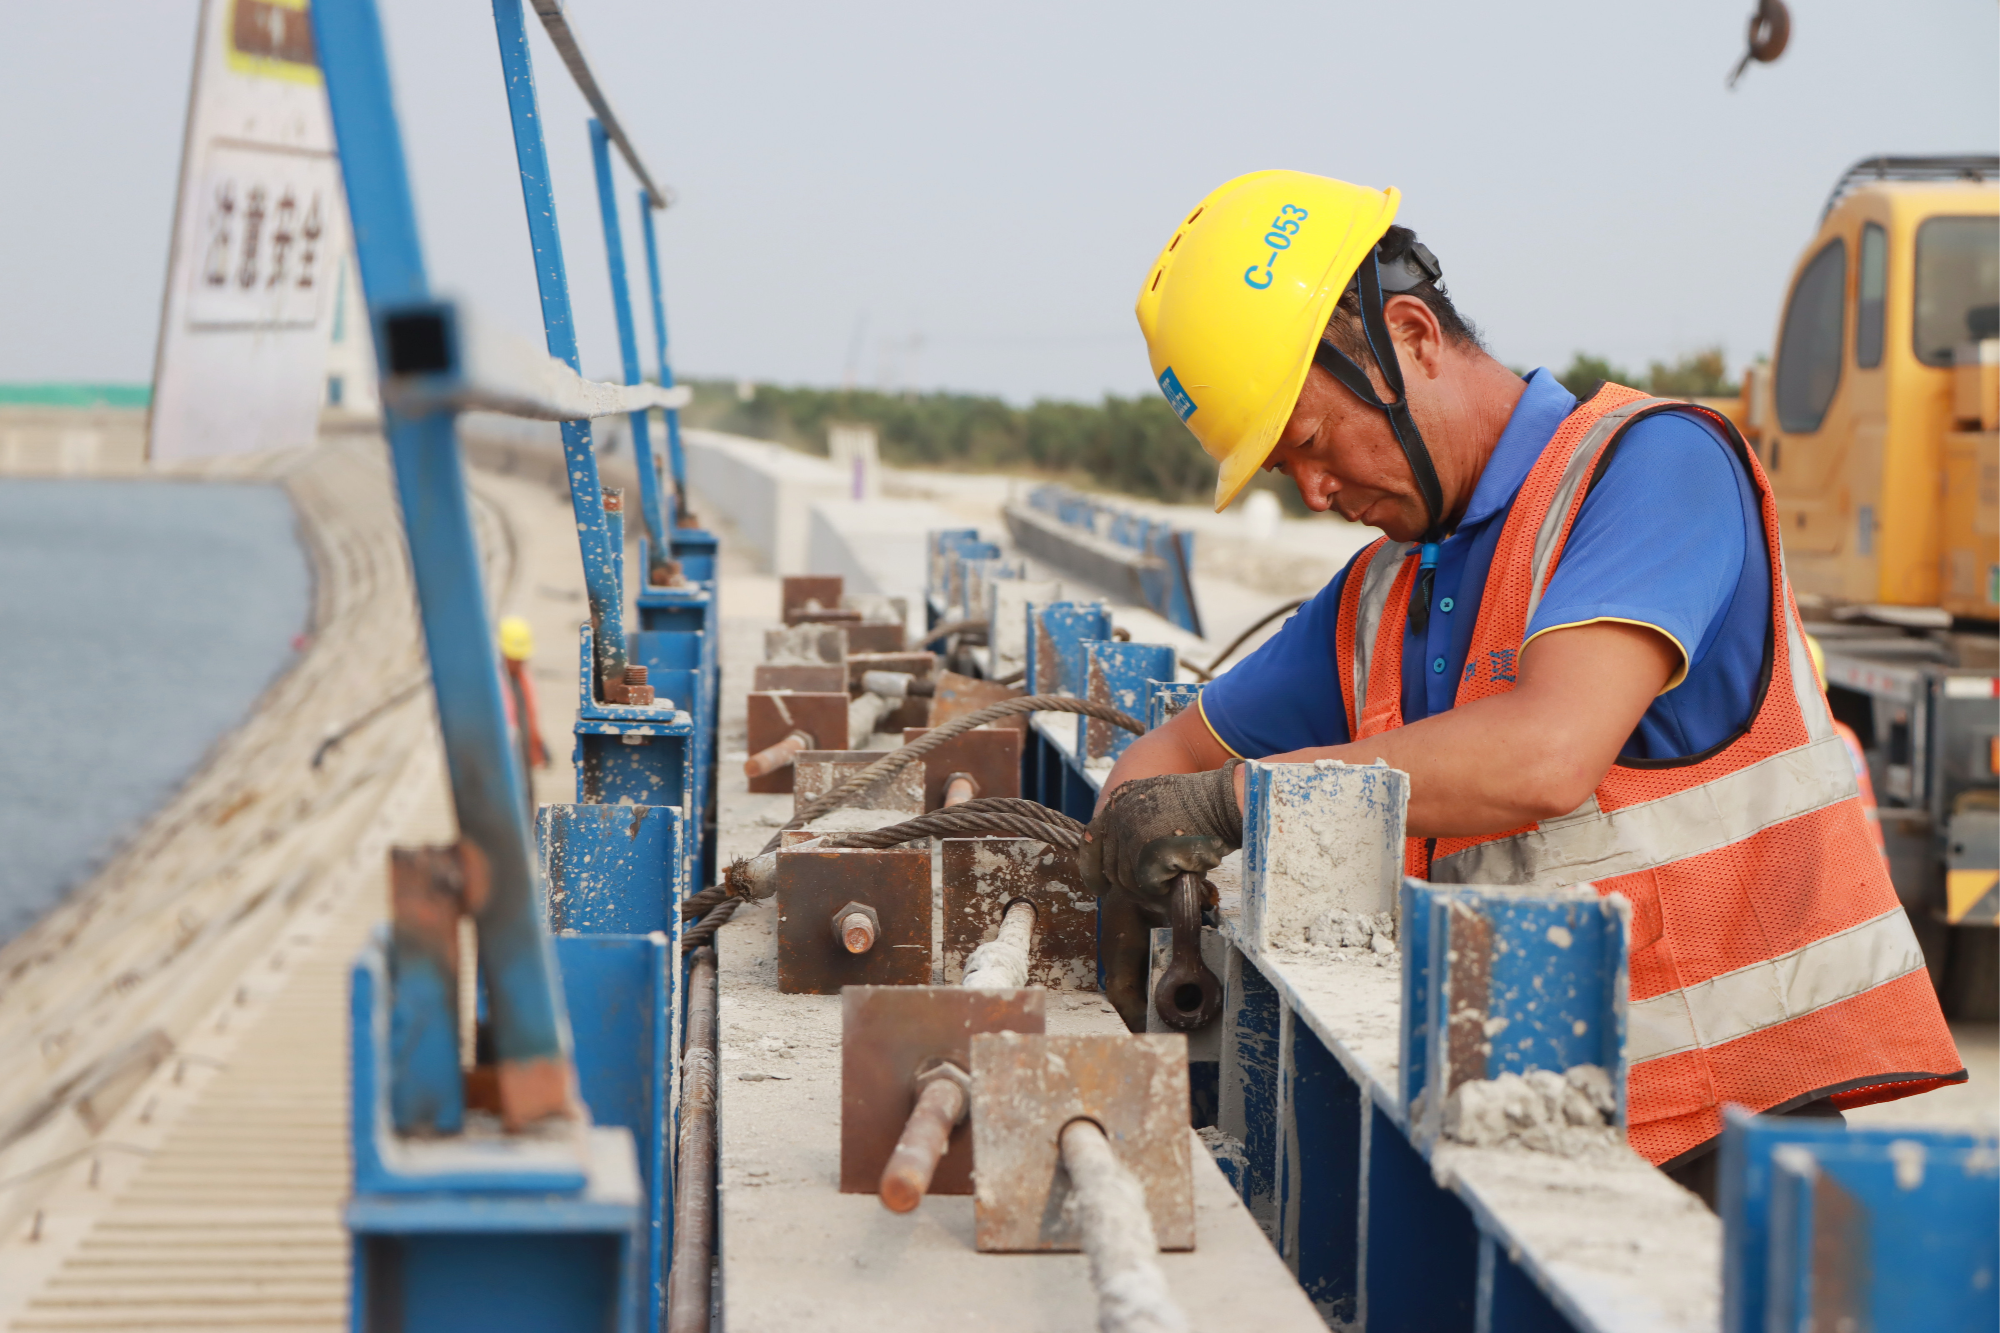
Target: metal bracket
x,y
1026,1088
773,715
983,875
819,771
887,1035
811,884
991,756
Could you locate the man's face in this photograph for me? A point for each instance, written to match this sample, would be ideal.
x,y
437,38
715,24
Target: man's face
x,y
1343,456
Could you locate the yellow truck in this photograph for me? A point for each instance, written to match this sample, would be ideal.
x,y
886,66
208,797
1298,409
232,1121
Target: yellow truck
x,y
1878,420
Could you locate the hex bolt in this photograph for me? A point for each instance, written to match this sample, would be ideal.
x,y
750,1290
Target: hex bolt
x,y
944,1094
857,927
637,692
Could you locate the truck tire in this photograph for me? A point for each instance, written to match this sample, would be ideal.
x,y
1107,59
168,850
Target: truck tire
x,y
1971,989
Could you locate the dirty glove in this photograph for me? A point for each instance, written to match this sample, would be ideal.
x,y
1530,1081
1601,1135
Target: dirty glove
x,y
1153,829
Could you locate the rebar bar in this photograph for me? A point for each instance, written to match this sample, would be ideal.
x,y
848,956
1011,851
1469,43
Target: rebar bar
x,y
694,1204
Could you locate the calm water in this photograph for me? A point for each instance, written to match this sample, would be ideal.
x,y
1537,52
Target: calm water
x,y
139,621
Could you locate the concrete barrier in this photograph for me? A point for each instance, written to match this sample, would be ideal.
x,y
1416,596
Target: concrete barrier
x,y
766,491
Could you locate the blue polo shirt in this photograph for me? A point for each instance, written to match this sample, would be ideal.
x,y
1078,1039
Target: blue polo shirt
x,y
1669,536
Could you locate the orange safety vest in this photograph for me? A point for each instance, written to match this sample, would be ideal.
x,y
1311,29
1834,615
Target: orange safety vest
x,y
1771,962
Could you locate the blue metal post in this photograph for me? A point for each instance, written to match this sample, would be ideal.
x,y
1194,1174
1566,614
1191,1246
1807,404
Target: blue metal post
x,y
1421,1270
657,525
600,569
1118,674
528,1020
1064,627
674,457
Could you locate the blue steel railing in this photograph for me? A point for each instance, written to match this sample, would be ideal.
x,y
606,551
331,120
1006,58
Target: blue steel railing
x,y
1163,576
580,978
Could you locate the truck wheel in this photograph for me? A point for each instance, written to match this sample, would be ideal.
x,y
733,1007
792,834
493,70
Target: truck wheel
x,y
1971,989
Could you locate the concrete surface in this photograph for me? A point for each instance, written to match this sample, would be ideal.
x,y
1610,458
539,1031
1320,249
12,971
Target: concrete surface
x,y
796,1253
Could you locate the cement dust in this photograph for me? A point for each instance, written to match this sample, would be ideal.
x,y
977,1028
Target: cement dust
x,y
1567,1114
1366,938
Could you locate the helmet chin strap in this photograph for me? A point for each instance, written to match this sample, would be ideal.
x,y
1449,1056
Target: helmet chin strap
x,y
1375,329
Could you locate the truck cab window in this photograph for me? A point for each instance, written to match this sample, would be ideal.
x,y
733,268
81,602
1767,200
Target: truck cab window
x,y
1958,286
1868,313
1809,356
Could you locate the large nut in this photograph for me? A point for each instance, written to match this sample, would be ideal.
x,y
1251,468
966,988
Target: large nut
x,y
857,927
937,1068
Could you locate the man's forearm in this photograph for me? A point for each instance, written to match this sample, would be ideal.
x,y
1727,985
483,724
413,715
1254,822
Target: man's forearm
x,y
1534,753
1482,768
1183,745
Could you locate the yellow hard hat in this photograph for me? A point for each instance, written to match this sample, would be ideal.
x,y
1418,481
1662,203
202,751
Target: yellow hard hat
x,y
1234,306
517,641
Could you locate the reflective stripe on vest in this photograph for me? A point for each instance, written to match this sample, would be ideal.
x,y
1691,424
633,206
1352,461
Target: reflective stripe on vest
x,y
1736,1004
1385,564
1591,843
1764,969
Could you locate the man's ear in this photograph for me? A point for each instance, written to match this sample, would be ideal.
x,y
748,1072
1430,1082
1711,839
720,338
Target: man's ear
x,y
1416,333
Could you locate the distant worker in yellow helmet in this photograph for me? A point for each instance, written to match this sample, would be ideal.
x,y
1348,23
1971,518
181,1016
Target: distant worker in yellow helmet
x,y
1577,639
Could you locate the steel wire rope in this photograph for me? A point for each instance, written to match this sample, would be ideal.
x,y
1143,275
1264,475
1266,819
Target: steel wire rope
x,y
719,903
1207,673
1006,816
897,760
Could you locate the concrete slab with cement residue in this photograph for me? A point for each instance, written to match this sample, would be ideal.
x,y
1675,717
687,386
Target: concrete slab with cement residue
x,y
1617,1247
796,1253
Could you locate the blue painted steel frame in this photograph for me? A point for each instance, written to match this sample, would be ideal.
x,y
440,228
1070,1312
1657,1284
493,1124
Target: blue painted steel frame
x,y
601,556
488,787
621,989
675,459
503,1232
658,513
1169,588
1866,1228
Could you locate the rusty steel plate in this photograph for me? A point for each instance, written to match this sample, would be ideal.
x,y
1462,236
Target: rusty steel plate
x,y
772,715
820,592
813,885
887,1033
992,755
819,771
1026,1088
820,678
983,875
958,695
806,643
877,636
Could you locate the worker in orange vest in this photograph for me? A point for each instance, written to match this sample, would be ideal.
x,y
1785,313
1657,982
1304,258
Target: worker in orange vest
x,y
1577,639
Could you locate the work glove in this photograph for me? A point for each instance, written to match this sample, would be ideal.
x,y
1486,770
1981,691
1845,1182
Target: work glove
x,y
1153,829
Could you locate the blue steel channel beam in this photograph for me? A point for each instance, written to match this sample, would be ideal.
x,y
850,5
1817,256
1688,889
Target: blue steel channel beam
x,y
675,461
657,526
529,1023
600,557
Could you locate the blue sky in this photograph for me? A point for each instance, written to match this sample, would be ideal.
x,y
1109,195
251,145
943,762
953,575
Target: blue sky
x,y
967,196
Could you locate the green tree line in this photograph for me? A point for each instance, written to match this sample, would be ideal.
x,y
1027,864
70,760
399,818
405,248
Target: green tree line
x,y
1135,446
